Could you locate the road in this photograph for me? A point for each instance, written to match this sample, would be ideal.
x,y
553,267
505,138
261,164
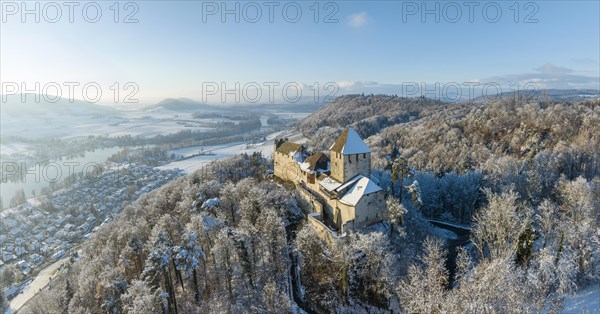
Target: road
x,y
40,282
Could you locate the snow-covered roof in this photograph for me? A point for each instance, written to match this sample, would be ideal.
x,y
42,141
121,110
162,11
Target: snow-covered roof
x,y
348,183
305,166
350,143
362,186
312,163
213,202
329,184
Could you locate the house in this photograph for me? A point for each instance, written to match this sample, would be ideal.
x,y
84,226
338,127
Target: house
x,y
24,267
58,255
339,186
7,256
12,291
36,259
19,250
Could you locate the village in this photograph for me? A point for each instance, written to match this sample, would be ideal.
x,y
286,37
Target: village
x,y
48,229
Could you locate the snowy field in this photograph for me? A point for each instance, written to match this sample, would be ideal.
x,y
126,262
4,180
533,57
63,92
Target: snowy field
x,y
14,148
117,123
226,150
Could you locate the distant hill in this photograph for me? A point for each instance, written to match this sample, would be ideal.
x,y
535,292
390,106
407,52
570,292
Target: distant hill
x,y
177,104
306,104
369,114
571,95
372,113
15,105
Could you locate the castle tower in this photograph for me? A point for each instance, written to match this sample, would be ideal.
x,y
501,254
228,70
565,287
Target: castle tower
x,y
349,157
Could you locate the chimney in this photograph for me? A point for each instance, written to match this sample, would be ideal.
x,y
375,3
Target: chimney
x,y
278,142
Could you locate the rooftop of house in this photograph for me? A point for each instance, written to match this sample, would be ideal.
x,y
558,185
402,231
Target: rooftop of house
x,y
351,191
359,187
315,161
350,143
288,147
328,183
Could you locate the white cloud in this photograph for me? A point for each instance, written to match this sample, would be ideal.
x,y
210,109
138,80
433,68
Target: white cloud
x,y
552,69
358,19
549,76
349,85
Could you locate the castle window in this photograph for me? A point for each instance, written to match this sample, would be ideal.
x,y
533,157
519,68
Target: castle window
x,y
364,156
356,157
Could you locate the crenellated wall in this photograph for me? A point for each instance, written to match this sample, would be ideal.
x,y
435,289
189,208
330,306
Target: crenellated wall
x,y
345,167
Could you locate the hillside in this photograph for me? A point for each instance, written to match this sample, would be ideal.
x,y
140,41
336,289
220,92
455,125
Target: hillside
x,y
228,239
177,104
571,95
31,104
444,137
369,114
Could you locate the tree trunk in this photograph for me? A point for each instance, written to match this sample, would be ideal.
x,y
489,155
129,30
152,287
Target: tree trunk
x,y
196,289
205,275
232,216
170,290
178,275
400,189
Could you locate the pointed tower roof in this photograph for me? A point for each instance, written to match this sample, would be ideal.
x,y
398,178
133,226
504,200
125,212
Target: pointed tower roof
x,y
350,143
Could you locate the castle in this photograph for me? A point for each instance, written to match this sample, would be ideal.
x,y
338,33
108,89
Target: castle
x,y
339,186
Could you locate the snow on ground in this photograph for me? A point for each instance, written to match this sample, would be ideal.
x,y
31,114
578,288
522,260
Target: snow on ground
x,y
14,148
451,224
38,126
192,164
226,150
443,233
150,128
142,123
584,301
194,150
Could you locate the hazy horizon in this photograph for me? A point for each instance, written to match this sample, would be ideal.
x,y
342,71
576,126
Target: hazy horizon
x,y
172,51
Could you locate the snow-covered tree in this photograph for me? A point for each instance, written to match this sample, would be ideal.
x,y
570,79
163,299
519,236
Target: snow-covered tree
x,y
188,257
158,264
395,213
140,299
424,290
497,226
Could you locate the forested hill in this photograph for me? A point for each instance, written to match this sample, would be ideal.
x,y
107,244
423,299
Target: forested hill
x,y
369,114
444,137
226,239
572,95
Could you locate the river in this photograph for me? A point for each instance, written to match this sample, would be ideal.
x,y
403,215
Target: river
x,y
41,176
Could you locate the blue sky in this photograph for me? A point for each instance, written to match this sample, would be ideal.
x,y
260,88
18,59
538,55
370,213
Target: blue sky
x,y
375,46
